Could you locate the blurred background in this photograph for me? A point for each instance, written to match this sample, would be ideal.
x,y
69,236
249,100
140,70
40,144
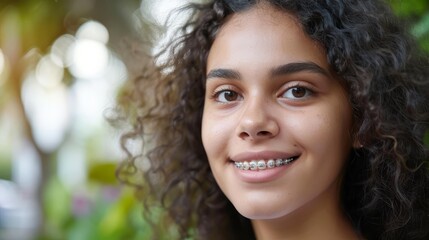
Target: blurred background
x,y
62,63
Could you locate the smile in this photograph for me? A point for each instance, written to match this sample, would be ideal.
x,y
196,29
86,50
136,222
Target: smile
x,y
263,164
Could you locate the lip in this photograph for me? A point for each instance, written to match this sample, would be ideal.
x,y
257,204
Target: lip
x,y
261,176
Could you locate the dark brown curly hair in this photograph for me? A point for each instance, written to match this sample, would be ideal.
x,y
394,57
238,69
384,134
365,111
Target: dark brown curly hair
x,y
385,191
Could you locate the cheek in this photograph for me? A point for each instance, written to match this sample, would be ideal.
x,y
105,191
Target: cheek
x,y
214,133
325,131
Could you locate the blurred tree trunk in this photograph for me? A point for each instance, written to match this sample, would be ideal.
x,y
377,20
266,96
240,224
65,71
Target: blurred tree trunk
x,y
16,77
18,38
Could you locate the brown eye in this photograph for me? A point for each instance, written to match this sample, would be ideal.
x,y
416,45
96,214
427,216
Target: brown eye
x,y
225,96
297,93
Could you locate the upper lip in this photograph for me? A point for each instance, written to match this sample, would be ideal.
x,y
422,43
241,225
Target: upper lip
x,y
264,155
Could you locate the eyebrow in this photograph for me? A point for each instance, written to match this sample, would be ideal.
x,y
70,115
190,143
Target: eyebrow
x,y
224,73
286,69
296,67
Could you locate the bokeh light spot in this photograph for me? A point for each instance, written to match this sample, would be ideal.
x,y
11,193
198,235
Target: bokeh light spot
x,y
48,111
3,68
49,74
93,30
60,48
89,58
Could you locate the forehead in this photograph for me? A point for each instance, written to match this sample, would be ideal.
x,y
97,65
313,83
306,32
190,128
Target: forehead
x,y
267,34
261,12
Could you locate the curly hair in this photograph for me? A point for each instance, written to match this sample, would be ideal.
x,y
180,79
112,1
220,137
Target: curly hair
x,y
385,190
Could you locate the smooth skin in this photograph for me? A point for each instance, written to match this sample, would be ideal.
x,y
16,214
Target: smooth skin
x,y
270,93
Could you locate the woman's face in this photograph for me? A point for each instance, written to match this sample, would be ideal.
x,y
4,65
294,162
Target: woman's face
x,y
272,99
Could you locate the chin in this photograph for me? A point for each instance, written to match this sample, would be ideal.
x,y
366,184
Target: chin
x,y
260,211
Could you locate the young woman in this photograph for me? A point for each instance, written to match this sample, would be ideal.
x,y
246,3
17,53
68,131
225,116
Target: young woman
x,y
284,119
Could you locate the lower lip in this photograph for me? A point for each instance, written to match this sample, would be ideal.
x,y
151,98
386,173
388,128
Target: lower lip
x,y
261,176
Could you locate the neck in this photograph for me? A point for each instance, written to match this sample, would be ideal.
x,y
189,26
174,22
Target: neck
x,y
322,218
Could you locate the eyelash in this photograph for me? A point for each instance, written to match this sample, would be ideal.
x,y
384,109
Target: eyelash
x,y
309,92
217,92
223,89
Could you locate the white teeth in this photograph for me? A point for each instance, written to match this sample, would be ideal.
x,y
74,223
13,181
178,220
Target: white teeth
x,y
253,165
271,163
262,164
246,166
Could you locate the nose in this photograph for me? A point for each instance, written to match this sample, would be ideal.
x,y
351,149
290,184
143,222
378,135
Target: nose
x,y
257,122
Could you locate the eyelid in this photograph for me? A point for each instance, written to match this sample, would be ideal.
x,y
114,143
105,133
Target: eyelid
x,y
221,89
290,85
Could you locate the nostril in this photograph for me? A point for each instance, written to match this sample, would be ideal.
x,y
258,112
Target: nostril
x,y
244,135
263,133
254,135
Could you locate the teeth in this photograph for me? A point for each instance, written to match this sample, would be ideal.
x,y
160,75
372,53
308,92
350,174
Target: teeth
x,y
246,166
271,163
253,165
262,164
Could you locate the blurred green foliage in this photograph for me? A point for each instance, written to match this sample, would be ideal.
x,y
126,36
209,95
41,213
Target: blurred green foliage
x,y
5,168
38,23
409,8
103,173
106,212
416,14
